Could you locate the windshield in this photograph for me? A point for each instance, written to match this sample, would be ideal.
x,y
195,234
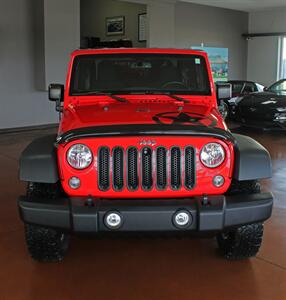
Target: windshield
x,y
139,73
278,87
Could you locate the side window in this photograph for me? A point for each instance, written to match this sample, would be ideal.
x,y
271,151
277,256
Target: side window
x,y
249,88
255,88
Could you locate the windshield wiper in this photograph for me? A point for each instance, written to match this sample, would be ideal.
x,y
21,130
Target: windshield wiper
x,y
177,98
167,94
97,93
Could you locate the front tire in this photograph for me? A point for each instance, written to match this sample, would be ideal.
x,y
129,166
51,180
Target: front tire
x,y
241,243
45,244
245,241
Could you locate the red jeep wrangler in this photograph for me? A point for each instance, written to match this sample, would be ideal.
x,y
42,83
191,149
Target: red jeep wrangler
x,y
141,147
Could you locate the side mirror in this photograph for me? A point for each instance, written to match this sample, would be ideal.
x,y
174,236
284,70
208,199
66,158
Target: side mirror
x,y
265,89
56,92
223,91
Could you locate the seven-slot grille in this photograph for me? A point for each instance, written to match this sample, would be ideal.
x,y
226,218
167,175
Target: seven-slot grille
x,y
146,168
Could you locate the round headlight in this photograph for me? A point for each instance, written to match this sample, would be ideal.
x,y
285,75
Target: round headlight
x,y
79,156
212,155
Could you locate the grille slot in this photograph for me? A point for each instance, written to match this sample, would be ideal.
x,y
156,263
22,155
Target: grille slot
x,y
132,168
175,168
103,168
189,168
118,168
161,156
146,167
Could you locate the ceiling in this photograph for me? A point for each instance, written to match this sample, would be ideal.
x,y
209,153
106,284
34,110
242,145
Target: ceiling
x,y
244,5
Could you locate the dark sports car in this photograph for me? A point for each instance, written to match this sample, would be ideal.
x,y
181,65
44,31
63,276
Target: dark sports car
x,y
266,109
240,88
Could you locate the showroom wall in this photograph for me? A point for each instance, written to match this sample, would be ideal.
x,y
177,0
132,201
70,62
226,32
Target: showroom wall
x,y
268,21
214,27
21,104
161,21
95,12
262,66
32,54
263,51
62,36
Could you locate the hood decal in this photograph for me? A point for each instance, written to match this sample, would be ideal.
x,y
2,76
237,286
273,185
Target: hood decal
x,y
186,118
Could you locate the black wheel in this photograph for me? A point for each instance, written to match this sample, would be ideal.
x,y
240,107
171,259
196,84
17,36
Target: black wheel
x,y
47,190
244,187
242,242
45,244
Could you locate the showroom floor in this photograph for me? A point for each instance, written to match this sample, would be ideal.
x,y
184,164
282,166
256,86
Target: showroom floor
x,y
140,268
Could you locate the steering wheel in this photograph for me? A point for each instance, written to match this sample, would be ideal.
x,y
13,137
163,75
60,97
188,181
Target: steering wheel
x,y
178,84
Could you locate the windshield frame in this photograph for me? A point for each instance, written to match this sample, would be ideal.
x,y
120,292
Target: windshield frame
x,y
141,91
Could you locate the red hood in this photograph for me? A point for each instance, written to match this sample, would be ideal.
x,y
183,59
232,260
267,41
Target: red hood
x,y
160,111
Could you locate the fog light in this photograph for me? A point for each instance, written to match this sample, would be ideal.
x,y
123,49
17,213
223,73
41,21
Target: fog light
x,y
218,181
113,220
74,183
182,219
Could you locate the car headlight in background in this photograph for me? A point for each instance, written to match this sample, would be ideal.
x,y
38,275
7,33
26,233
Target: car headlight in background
x,y
79,156
212,155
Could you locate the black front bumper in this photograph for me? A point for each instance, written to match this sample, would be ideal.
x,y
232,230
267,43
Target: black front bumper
x,y
83,215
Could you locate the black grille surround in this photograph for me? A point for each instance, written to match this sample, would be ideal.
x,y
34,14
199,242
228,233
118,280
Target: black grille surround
x,y
146,168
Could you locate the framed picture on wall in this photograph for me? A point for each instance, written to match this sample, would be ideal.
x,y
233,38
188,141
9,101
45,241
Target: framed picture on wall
x,y
142,27
218,58
115,25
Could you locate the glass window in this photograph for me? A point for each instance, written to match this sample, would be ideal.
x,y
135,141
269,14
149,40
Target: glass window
x,y
136,73
236,87
249,88
279,86
283,59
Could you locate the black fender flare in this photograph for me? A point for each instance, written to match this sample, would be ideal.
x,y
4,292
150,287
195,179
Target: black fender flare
x,y
38,162
252,160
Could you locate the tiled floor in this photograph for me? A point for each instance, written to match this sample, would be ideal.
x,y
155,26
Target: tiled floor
x,y
140,269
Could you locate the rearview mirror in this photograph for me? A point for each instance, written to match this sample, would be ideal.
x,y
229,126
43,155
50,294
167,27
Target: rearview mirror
x,y
223,91
56,92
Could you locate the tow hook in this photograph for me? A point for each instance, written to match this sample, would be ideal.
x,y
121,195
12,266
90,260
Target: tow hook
x,y
205,200
89,202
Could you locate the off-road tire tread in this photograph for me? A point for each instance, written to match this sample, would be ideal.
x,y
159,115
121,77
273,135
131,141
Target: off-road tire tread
x,y
45,244
247,242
